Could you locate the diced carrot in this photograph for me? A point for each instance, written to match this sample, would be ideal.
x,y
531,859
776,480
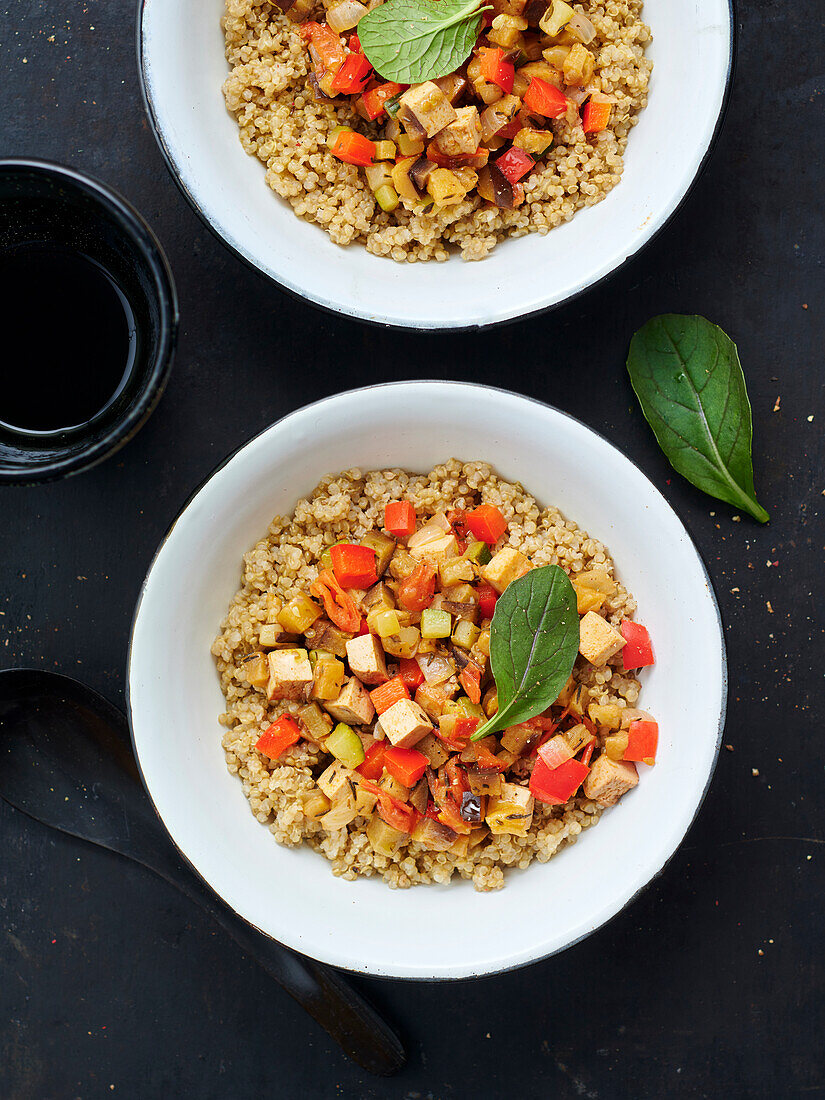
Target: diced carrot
x,y
399,518
595,116
389,694
487,523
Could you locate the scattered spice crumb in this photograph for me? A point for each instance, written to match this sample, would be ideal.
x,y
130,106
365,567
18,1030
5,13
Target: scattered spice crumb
x,y
810,418
804,305
729,748
776,406
754,771
737,519
770,609
760,952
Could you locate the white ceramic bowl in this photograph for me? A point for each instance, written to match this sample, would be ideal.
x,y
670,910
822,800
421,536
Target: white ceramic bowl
x,y
183,67
174,697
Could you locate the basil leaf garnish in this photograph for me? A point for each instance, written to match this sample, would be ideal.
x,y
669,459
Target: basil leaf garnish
x,y
411,41
689,381
534,640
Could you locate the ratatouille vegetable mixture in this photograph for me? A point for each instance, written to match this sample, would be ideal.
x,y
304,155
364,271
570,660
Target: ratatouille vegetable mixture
x,y
375,684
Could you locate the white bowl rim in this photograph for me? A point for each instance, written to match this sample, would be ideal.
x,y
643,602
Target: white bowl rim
x,y
605,917
655,228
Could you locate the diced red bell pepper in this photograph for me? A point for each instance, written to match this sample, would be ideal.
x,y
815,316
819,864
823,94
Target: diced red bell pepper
x,y
486,522
642,741
399,815
364,629
355,43
595,116
487,597
399,518
587,755
515,163
555,752
387,695
373,766
405,765
274,741
494,68
411,672
353,75
638,652
545,99
339,605
416,592
557,785
354,148
465,728
375,98
354,565
470,680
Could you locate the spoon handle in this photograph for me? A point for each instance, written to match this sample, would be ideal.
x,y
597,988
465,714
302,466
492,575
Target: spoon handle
x,y
328,997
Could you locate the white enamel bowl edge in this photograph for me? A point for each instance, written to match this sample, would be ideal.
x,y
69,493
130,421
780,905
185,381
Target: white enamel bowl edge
x,y
183,68
291,894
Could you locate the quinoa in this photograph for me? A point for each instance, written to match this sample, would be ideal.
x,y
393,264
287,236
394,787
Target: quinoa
x,y
282,124
285,562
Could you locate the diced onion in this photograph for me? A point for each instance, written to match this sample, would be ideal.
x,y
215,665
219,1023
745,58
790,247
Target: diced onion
x,y
436,669
581,27
631,714
346,15
435,529
577,95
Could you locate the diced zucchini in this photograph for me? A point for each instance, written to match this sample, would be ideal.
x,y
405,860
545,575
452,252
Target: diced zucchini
x,y
511,811
256,670
315,722
465,634
379,598
455,570
436,624
384,547
385,840
387,198
384,623
409,147
315,803
269,634
478,552
346,746
469,709
329,678
299,614
364,802
385,150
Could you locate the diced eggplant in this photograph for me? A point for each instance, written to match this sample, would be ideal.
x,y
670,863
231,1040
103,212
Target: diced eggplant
x,y
495,188
433,835
420,173
385,840
420,795
326,636
384,547
484,781
534,11
471,809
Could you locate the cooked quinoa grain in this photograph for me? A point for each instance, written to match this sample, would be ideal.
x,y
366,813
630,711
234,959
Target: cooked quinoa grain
x,y
345,506
282,125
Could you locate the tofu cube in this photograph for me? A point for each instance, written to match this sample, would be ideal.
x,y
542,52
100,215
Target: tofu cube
x,y
598,640
423,110
609,780
405,723
463,135
505,566
290,673
353,705
335,780
366,659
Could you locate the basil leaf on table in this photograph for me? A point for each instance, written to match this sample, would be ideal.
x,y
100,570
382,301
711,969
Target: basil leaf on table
x,y
689,382
534,640
411,41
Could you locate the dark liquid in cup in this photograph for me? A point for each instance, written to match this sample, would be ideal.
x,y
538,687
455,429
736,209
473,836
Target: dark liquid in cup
x,y
68,339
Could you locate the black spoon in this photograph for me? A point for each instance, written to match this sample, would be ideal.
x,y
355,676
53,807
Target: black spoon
x,y
65,761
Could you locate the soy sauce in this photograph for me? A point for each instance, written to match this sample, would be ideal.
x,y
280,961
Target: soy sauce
x,y
67,339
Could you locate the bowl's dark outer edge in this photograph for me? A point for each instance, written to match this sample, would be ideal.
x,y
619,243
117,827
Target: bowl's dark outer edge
x,y
137,229
722,714
170,164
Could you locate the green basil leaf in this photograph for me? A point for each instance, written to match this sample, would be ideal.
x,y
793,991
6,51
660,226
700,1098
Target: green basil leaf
x,y
533,644
689,382
411,41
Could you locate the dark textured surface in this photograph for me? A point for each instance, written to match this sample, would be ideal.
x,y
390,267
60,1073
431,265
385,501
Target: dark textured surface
x,y
711,984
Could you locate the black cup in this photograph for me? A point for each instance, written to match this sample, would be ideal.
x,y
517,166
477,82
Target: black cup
x,y
48,204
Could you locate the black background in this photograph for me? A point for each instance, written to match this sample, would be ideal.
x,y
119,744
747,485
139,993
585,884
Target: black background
x,y
711,984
